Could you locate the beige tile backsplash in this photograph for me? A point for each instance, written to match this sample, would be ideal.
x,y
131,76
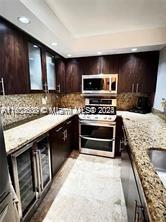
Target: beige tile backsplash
x,y
125,101
24,101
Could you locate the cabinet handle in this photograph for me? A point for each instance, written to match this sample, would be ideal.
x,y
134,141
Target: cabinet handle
x,y
68,122
59,129
3,86
137,88
125,137
132,88
46,88
64,135
59,88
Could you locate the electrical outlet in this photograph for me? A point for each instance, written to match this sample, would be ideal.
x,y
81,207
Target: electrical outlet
x,y
44,100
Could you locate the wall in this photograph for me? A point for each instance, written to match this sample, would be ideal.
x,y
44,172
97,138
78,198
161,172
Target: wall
x,y
161,82
24,100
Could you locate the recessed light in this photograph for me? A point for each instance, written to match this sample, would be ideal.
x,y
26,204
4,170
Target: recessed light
x,y
24,19
134,49
54,43
99,53
68,55
35,46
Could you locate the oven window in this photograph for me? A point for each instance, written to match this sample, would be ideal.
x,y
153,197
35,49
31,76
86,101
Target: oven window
x,y
101,132
97,145
96,84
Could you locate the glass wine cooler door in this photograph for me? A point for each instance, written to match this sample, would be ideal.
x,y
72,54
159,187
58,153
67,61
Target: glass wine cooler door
x,y
24,179
44,166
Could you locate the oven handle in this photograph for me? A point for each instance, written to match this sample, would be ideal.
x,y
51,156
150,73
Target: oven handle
x,y
97,124
96,139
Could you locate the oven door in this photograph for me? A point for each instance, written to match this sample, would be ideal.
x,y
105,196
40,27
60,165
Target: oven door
x,y
97,137
96,84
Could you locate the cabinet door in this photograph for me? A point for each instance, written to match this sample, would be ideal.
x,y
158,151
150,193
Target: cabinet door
x,y
24,179
57,148
50,70
127,73
60,75
73,76
35,68
69,137
14,60
133,203
91,65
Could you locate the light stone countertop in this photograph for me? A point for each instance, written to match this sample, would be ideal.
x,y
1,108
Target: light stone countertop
x,y
19,136
146,131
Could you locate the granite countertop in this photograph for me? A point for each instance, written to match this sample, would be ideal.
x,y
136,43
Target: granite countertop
x,y
19,136
146,131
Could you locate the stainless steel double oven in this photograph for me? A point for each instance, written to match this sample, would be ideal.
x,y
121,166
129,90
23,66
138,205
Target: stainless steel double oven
x,y
98,127
97,138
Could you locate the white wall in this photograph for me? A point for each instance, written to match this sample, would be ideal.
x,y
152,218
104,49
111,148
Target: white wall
x,y
161,81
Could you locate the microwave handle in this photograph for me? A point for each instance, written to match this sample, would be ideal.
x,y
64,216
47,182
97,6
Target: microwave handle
x,y
110,86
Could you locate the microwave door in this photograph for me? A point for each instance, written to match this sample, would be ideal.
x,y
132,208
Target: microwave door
x,y
93,85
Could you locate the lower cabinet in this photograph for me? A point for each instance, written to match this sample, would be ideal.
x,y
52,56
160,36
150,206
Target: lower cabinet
x,y
135,210
62,140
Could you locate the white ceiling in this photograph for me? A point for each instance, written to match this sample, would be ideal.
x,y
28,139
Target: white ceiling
x,y
84,27
85,18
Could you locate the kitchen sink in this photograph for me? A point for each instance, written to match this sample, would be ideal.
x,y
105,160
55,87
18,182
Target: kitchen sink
x,y
158,158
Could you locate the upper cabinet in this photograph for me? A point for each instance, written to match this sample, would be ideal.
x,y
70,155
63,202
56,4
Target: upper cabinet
x,y
60,75
50,70
35,67
73,75
14,77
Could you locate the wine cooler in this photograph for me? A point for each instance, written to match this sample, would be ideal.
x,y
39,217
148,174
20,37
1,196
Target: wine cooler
x,y
31,174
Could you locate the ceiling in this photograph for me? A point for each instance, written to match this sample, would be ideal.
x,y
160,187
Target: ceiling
x,y
84,27
85,18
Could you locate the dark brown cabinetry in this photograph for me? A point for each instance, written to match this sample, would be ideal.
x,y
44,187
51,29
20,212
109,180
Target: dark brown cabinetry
x,y
74,73
134,197
62,142
14,60
60,75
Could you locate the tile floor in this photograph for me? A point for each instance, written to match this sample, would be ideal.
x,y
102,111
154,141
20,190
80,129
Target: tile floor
x,y
86,189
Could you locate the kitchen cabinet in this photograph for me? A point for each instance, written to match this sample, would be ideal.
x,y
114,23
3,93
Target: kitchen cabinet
x,y
138,72
50,70
61,143
14,60
60,75
35,67
132,199
73,75
136,208
91,65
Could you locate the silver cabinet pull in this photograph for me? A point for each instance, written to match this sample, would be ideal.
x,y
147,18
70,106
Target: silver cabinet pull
x,y
59,88
59,129
68,122
64,135
3,86
46,88
137,88
132,88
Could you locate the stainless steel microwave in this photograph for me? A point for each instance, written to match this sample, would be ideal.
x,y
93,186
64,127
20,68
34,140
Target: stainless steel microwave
x,y
100,84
